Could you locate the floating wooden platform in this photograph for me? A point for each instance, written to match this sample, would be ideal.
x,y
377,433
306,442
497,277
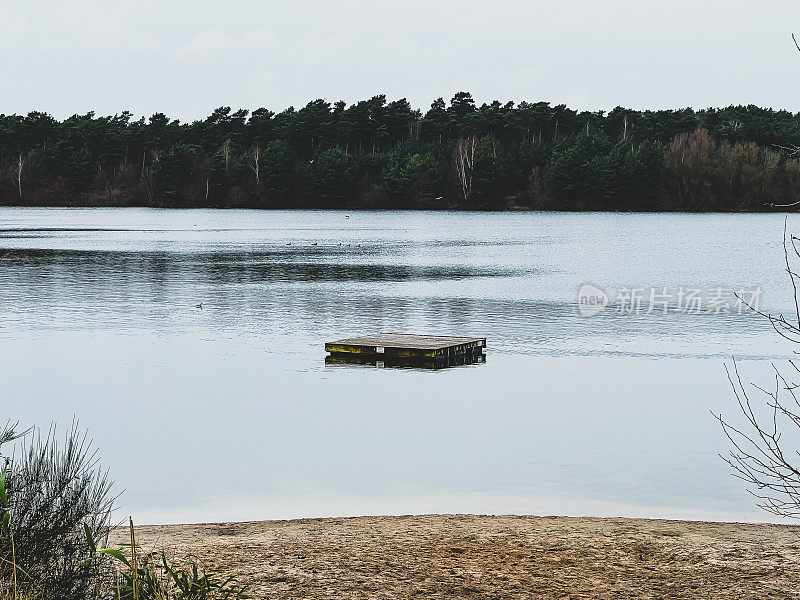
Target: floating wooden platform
x,y
403,363
406,346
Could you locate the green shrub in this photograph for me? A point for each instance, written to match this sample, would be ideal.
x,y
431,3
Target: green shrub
x,y
49,493
55,504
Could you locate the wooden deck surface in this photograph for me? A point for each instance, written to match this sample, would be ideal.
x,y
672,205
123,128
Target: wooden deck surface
x,y
404,340
404,345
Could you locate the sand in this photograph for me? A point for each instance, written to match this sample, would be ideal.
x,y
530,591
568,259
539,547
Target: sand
x,y
467,556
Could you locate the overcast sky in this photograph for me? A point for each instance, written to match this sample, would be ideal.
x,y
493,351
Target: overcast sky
x,y
186,57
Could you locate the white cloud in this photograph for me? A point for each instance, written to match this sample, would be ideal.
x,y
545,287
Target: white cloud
x,y
87,23
147,45
215,41
325,43
262,79
208,42
258,38
11,25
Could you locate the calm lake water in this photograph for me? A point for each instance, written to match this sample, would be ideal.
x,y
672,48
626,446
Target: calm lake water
x,y
229,412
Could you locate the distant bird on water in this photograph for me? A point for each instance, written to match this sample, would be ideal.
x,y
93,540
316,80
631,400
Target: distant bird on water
x,y
200,306
315,244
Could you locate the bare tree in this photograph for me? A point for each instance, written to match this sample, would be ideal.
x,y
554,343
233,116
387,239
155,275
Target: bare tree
x,y
148,173
254,162
464,158
227,153
763,455
17,172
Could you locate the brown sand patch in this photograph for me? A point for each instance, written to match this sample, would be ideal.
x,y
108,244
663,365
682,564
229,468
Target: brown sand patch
x,y
466,556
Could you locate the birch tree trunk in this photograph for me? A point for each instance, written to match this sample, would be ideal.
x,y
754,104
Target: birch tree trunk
x,y
255,163
20,167
464,162
226,152
148,175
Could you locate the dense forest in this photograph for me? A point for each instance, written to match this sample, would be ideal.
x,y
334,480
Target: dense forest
x,y
379,154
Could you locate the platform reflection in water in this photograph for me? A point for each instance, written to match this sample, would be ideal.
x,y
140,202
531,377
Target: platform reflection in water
x,y
406,362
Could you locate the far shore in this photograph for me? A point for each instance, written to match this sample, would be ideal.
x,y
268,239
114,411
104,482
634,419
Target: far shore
x,y
472,556
511,208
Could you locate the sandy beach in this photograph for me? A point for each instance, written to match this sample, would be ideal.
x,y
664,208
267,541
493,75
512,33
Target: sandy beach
x,y
469,556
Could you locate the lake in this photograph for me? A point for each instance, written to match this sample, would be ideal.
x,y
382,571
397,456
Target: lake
x,y
228,411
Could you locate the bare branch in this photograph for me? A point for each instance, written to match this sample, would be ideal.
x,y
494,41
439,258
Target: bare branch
x,y
758,455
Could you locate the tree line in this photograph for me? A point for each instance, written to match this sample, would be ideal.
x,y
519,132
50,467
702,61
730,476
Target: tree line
x,y
386,154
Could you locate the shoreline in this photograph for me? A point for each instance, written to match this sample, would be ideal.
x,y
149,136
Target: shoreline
x,y
513,209
449,556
